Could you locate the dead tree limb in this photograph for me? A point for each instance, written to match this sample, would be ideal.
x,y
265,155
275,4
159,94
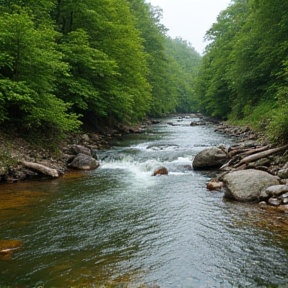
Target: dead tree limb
x,y
253,151
41,168
260,155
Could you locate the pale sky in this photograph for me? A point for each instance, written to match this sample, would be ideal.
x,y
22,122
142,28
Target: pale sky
x,y
190,19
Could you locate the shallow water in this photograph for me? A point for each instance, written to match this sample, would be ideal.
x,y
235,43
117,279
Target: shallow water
x,y
118,226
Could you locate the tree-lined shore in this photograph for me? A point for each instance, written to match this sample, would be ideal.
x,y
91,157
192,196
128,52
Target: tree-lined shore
x,y
69,66
243,76
65,64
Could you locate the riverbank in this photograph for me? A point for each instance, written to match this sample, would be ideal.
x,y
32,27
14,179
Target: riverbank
x,y
15,152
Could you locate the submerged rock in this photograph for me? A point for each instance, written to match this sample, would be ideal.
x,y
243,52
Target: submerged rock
x,y
210,158
160,171
246,185
7,247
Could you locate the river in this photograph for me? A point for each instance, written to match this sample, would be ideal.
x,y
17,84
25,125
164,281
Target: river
x,y
118,226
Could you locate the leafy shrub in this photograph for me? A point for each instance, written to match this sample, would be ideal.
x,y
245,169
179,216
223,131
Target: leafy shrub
x,y
278,127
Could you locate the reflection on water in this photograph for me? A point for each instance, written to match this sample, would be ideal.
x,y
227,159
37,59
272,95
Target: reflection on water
x,y
120,227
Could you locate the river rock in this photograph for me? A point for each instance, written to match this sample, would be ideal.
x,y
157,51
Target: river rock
x,y
210,158
76,149
283,173
160,171
246,185
274,201
263,205
274,190
214,185
84,162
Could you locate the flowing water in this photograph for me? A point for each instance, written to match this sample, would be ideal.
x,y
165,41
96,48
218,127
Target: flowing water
x,y
118,226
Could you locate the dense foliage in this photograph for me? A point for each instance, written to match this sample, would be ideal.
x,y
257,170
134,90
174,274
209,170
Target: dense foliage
x,y
67,62
244,73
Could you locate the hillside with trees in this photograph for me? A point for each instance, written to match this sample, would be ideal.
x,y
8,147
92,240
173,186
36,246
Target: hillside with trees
x,y
243,75
65,64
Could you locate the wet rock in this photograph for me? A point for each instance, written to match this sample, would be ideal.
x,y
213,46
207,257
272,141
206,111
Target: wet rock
x,y
94,153
214,185
274,190
160,171
84,162
246,185
210,158
274,201
198,123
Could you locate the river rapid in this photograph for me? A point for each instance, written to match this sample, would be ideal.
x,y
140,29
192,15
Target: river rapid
x,y
118,226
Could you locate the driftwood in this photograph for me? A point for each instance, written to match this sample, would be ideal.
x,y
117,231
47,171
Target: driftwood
x,y
41,168
260,155
238,150
256,150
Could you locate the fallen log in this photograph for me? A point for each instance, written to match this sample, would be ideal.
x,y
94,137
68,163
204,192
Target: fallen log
x,y
253,151
41,168
260,155
231,161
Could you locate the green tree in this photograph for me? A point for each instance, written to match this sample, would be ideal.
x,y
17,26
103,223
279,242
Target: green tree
x,y
120,88
184,63
29,66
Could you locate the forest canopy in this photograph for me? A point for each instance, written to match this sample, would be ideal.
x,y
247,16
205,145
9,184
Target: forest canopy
x,y
65,63
244,72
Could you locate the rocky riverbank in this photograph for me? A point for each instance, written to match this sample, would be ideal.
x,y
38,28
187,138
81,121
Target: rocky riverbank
x,y
22,160
250,171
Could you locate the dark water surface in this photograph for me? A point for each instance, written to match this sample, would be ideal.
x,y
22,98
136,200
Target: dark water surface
x,y
118,226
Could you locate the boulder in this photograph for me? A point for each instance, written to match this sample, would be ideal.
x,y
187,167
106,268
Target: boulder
x,y
210,158
274,190
76,149
246,185
84,162
160,171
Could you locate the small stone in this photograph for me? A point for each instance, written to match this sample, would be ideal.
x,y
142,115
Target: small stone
x,y
263,205
283,173
284,201
85,137
214,185
285,195
274,201
274,190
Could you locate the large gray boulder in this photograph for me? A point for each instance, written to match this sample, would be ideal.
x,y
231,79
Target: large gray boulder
x,y
210,158
84,162
246,185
